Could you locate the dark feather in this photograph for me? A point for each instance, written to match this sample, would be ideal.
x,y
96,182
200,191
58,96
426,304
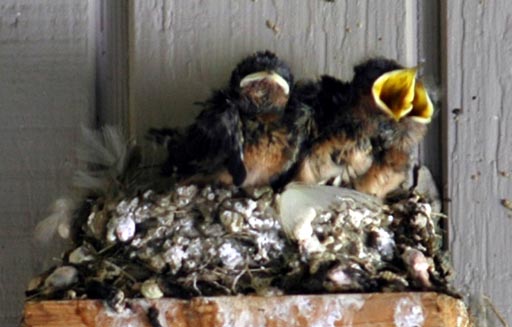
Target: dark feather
x,y
348,121
260,61
208,144
254,133
367,72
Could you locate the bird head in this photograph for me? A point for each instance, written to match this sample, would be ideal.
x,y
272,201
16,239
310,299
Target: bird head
x,y
398,94
394,89
264,79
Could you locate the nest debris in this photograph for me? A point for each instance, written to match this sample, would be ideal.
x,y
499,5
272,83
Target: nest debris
x,y
207,241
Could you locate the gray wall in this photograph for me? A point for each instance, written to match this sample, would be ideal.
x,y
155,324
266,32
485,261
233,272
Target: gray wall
x,y
477,62
155,58
46,92
183,49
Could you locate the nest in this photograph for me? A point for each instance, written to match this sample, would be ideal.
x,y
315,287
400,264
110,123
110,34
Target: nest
x,y
206,241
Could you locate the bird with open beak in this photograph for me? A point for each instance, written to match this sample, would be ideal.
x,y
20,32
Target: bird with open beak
x,y
367,128
248,134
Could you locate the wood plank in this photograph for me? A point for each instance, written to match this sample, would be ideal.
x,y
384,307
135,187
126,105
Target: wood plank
x,y
429,55
46,93
477,40
112,59
384,309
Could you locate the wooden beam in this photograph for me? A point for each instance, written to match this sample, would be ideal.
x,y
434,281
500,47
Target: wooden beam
x,y
429,152
372,310
477,43
112,63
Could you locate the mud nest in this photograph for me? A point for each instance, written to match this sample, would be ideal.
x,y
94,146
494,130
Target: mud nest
x,y
206,241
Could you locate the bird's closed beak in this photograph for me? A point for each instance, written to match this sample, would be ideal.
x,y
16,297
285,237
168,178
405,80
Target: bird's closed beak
x,y
270,75
399,95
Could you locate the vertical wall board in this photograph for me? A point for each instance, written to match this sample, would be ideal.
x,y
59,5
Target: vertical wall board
x,y
430,71
112,52
181,50
478,78
46,93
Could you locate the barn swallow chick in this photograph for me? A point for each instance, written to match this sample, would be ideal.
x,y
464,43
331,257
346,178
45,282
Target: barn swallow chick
x,y
368,127
248,134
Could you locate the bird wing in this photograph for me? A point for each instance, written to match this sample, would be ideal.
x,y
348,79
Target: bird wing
x,y
213,141
216,138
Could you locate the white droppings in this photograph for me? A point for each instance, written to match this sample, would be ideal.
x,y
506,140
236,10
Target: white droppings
x,y
120,228
230,257
123,315
136,314
339,277
355,217
151,290
352,303
329,319
325,311
62,277
409,313
174,257
125,229
304,305
80,255
385,242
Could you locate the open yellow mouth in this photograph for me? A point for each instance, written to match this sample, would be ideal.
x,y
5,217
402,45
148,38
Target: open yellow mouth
x,y
399,95
422,107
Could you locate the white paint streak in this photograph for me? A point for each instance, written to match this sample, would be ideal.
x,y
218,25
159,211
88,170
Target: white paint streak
x,y
320,313
136,315
409,313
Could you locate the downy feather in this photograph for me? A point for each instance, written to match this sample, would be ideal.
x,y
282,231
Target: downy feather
x,y
103,158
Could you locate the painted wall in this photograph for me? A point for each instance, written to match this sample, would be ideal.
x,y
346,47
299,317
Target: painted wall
x,y
46,92
180,50
477,62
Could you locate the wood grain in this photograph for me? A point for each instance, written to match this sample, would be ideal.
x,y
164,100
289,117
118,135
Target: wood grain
x,y
46,93
478,79
112,59
371,310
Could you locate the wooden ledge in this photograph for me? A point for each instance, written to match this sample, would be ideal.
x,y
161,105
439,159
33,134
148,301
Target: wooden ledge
x,y
376,309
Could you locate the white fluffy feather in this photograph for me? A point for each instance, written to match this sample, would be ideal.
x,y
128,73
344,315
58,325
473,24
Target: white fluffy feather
x,y
103,157
59,221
